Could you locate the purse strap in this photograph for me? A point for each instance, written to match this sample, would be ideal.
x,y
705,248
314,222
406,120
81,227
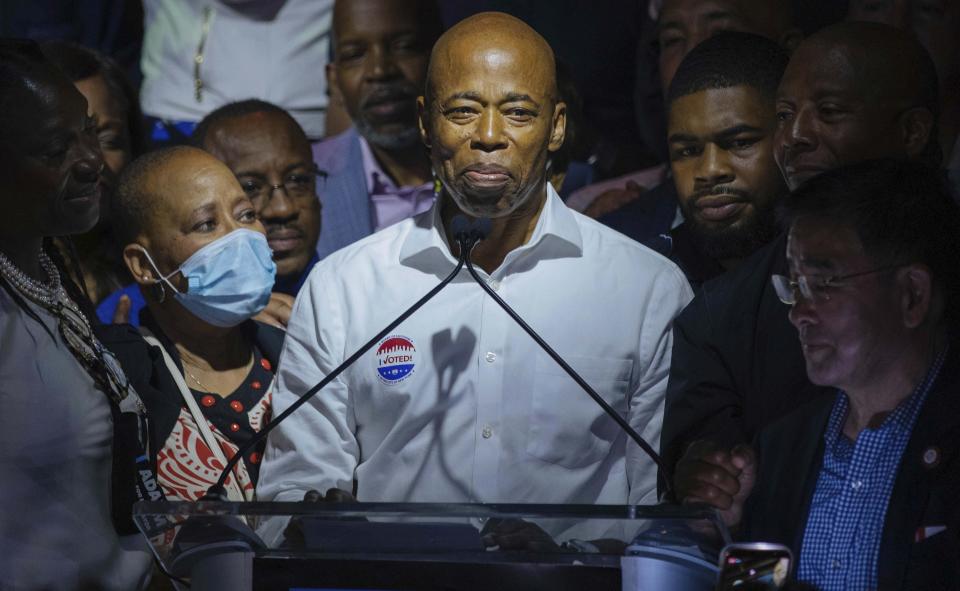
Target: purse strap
x,y
234,491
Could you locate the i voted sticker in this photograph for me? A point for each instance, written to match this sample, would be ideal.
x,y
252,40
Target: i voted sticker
x,y
396,359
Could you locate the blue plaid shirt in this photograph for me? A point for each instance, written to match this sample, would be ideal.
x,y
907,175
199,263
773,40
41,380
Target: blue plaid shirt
x,y
841,542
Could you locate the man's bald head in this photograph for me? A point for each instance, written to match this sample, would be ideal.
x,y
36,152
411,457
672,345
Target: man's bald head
x,y
854,92
491,115
484,37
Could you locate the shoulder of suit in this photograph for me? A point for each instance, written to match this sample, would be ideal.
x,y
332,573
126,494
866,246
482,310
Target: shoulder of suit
x,y
333,153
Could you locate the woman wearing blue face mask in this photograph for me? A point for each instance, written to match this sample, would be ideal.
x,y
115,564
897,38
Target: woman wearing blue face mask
x,y
202,262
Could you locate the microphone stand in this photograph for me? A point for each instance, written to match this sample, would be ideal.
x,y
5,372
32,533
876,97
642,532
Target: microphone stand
x,y
467,241
217,492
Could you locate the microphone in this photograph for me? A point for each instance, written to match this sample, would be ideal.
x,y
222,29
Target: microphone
x,y
467,235
477,232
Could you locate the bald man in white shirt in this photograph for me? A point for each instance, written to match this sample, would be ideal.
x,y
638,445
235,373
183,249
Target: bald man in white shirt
x,y
460,405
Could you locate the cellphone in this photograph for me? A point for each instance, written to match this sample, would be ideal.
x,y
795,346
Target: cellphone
x,y
758,565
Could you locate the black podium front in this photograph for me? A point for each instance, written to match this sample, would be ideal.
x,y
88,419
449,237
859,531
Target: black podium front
x,y
416,546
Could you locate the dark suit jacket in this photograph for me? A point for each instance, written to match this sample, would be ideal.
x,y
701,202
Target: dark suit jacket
x,y
347,214
686,252
647,219
924,494
737,363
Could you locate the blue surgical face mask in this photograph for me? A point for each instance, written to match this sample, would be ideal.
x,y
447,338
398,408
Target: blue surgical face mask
x,y
228,280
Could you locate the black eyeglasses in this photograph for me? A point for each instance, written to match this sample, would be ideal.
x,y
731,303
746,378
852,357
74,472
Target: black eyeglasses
x,y
297,185
815,288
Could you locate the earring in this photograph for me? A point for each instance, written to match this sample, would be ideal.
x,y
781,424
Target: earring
x,y
158,292
437,185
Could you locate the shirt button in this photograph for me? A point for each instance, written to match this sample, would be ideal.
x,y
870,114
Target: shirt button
x,y
490,357
835,564
856,484
495,285
487,432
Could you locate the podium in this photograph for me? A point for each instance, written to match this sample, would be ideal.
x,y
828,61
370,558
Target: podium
x,y
430,546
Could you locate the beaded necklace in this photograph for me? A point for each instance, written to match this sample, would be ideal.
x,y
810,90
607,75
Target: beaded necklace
x,y
74,327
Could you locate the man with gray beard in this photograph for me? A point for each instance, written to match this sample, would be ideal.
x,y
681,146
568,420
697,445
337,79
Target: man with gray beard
x,y
377,171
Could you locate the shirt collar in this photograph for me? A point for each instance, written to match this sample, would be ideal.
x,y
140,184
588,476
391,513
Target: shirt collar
x,y
372,171
378,181
902,418
556,235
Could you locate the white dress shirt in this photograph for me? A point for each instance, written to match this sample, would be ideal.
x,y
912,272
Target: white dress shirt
x,y
483,415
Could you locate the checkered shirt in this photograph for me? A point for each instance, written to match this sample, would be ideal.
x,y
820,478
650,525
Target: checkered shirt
x,y
841,543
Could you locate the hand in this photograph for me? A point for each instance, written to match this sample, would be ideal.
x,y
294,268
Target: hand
x,y
613,200
334,495
293,533
121,314
277,312
517,534
721,479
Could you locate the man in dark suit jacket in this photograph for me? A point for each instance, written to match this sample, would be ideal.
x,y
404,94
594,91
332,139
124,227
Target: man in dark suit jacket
x,y
862,484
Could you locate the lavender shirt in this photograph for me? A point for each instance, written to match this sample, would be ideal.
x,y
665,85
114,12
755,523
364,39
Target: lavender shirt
x,y
392,204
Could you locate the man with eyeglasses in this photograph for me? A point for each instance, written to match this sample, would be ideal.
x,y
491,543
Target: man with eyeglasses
x,y
862,484
270,155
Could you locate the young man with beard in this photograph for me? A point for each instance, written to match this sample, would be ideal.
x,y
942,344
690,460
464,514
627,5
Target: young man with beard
x,y
720,135
645,212
379,173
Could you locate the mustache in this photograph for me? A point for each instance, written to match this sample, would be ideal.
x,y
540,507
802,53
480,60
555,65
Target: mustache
x,y
394,91
282,229
720,190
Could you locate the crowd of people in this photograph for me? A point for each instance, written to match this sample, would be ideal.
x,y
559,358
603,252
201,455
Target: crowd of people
x,y
763,281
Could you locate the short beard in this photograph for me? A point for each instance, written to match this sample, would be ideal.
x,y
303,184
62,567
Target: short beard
x,y
406,138
408,135
737,241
